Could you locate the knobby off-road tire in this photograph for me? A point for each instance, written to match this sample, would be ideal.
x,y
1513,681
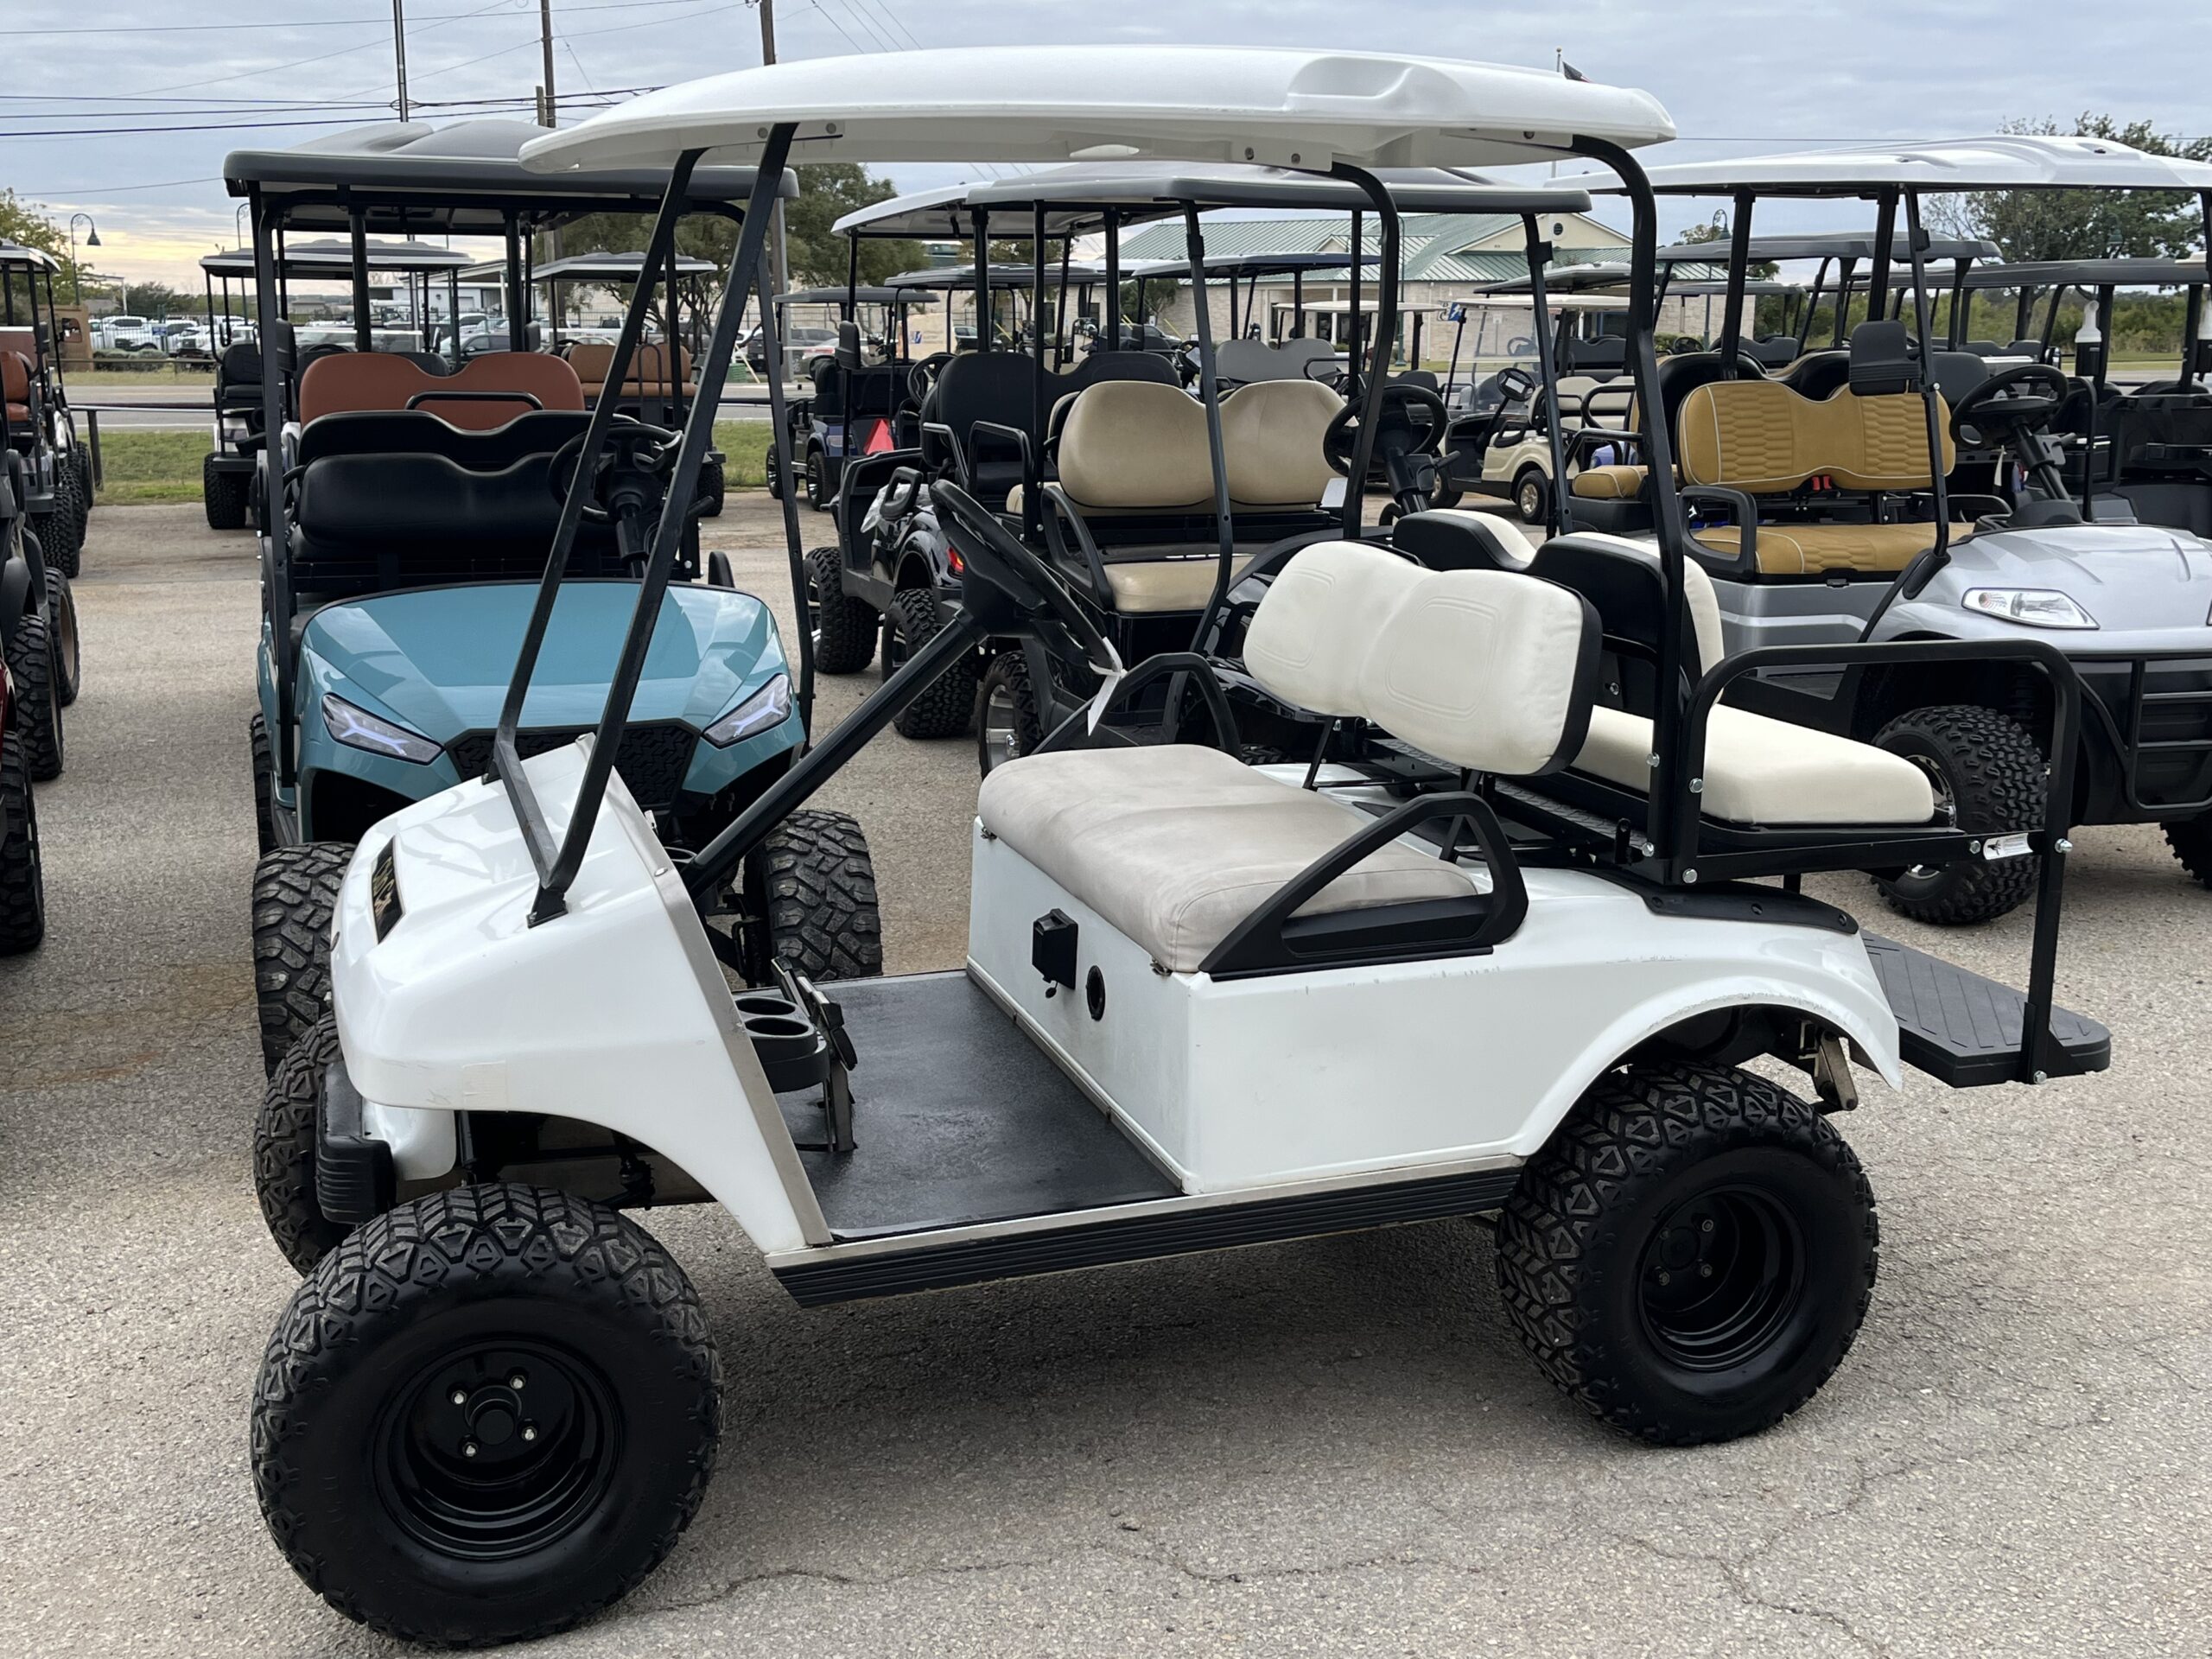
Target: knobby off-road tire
x,y
80,463
1993,776
582,1478
945,709
22,873
1008,723
61,631
226,495
263,757
295,891
714,489
845,628
775,476
819,495
71,514
38,706
813,879
284,1150
2190,840
1691,1254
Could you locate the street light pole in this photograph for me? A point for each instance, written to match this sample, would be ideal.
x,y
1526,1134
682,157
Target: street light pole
x,y
399,51
76,270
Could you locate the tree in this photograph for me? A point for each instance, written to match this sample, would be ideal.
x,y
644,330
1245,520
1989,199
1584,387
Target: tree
x,y
2086,224
27,228
153,300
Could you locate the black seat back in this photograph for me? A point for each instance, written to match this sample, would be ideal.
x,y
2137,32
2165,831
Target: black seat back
x,y
995,386
1623,585
418,431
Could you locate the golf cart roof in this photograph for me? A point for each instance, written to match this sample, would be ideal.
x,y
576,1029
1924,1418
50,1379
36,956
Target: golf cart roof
x,y
1074,196
1563,279
1828,245
610,268
1280,107
16,254
1757,286
464,178
1506,299
2007,161
1340,308
1250,264
332,258
954,277
2092,273
862,295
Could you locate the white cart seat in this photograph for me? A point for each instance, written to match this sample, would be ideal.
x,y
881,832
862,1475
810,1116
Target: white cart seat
x,y
1762,771
1174,845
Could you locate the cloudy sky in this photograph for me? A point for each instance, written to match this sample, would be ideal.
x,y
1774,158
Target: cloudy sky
x,y
123,109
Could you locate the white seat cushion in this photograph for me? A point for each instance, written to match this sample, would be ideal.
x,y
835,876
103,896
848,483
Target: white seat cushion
x,y
1762,771
1175,845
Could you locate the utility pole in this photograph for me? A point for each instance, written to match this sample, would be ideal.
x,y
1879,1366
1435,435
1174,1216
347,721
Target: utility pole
x,y
399,50
779,260
545,38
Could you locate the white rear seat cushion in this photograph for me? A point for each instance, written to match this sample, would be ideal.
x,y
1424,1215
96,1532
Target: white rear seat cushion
x,y
1762,771
1309,642
1176,845
1271,442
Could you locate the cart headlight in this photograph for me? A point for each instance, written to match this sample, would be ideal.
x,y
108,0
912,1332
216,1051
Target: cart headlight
x,y
357,728
765,709
2037,608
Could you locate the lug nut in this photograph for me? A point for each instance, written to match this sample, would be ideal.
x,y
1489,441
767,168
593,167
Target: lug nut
x,y
468,1448
459,1396
516,1381
1706,1226
1666,1278
529,1431
1705,1269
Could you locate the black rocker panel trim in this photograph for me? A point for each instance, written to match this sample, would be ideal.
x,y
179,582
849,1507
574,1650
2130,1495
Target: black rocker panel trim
x,y
1141,1238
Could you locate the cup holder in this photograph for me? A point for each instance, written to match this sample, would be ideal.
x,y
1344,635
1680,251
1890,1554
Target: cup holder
x,y
791,1051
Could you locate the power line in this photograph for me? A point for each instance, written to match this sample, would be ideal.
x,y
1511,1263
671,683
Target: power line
x,y
321,22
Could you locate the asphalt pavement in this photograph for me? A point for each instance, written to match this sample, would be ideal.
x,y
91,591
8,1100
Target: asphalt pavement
x,y
1332,1447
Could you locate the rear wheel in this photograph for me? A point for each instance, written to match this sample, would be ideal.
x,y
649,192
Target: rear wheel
x,y
1532,496
815,882
486,1415
845,628
1690,1256
2192,841
283,1149
1008,723
224,495
946,707
1988,775
714,488
61,631
775,476
23,875
81,462
818,479
70,514
295,893
264,784
38,708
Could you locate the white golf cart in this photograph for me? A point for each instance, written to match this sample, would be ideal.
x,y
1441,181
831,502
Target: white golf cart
x,y
1204,1005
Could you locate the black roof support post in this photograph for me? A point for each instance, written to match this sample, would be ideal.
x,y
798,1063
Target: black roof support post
x,y
517,304
983,219
1032,492
1885,234
1740,261
1111,313
1351,320
1194,247
1369,391
1670,792
357,222
268,315
1539,254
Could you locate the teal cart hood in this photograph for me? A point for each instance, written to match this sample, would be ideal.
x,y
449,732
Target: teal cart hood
x,y
437,660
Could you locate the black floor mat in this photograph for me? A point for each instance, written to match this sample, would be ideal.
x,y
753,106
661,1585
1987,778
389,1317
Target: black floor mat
x,y
959,1118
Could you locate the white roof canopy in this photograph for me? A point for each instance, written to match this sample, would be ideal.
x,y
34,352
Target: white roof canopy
x,y
1277,106
2010,162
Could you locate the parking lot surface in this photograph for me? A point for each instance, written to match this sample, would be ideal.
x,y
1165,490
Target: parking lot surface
x,y
1332,1447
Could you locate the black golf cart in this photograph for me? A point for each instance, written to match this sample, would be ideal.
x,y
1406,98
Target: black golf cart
x,y
862,409
35,422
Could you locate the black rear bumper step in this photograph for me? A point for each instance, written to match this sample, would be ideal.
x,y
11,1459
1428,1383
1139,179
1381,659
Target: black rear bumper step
x,y
1964,1030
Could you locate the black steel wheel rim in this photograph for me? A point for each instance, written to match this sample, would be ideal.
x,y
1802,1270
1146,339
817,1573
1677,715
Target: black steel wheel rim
x,y
1722,1279
1920,880
496,1449
1001,726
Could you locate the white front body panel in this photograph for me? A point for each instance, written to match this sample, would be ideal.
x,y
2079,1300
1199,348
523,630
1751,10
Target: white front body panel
x,y
614,1014
1298,1077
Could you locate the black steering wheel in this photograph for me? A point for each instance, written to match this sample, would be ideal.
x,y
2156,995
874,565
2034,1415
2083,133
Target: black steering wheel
x,y
632,451
1996,408
921,378
1014,574
1515,384
1399,398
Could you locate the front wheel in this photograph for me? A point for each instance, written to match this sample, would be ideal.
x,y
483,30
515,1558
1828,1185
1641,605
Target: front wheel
x,y
775,476
2191,841
1988,777
814,882
224,494
486,1415
1008,723
1532,496
818,480
1691,1255
945,709
295,893
284,1149
22,872
61,633
38,704
845,628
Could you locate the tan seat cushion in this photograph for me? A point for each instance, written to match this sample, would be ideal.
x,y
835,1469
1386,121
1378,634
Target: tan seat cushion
x,y
1175,845
1813,550
1611,483
1271,442
1144,585
1132,444
1762,771
1764,438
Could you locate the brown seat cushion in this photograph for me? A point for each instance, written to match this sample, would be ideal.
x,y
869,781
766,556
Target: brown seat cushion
x,y
1814,549
349,382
